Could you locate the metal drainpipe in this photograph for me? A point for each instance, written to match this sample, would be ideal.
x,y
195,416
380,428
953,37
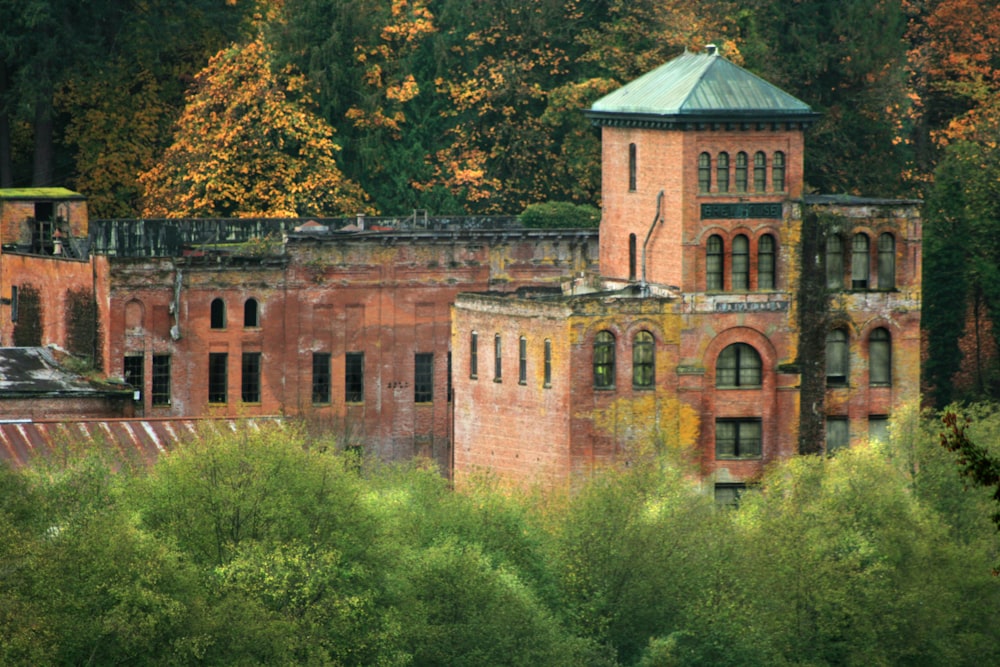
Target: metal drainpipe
x,y
659,202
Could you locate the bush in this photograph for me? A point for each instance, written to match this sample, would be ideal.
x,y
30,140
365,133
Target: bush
x,y
560,215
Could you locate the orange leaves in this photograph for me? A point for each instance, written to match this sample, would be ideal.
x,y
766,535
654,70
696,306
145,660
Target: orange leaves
x,y
247,145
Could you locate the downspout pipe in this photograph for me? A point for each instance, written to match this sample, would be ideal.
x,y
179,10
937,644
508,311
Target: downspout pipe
x,y
659,202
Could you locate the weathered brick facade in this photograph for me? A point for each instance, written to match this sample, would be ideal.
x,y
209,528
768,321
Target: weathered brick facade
x,y
780,322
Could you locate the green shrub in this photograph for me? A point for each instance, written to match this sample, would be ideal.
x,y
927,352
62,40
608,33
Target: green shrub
x,y
560,215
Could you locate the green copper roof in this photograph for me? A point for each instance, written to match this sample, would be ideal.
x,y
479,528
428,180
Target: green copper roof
x,y
39,193
699,87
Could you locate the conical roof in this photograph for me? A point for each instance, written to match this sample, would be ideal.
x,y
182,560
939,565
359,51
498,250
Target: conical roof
x,y
698,87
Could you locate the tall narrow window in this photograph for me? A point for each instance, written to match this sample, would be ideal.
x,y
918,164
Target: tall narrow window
x,y
878,428
837,358
423,377
218,377
522,361
160,390
741,172
860,261
449,391
765,262
632,251
880,357
737,438
354,377
474,355
778,172
643,360
838,434
321,377
834,262
886,261
631,168
497,359
741,262
759,171
713,263
704,172
250,384
722,172
218,314
604,360
738,365
133,372
251,313
547,353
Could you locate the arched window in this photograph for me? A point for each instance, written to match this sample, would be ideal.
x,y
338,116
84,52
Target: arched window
x,y
704,172
722,172
778,172
860,261
741,172
765,262
643,357
837,358
886,261
834,262
759,171
741,262
218,314
604,360
631,168
632,251
738,366
251,313
880,357
713,263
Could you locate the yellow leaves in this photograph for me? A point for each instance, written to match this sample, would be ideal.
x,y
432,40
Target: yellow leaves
x,y
404,91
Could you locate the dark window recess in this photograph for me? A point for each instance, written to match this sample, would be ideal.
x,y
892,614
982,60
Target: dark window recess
x,y
643,360
547,379
218,376
497,359
321,377
838,435
250,384
880,358
218,314
604,360
133,372
354,377
522,361
632,167
765,262
161,379
423,377
713,263
474,355
739,365
251,313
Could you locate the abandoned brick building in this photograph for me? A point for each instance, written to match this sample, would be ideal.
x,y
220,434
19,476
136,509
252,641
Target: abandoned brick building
x,y
733,312
720,308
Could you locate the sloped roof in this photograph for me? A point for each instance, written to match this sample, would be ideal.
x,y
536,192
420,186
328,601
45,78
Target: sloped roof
x,y
33,371
699,87
39,193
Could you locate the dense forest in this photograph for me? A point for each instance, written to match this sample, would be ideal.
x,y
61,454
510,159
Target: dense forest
x,y
302,107
253,548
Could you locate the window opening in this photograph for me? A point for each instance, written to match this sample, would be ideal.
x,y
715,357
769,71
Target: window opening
x,y
741,172
423,377
497,360
473,355
218,314
860,261
643,358
160,389
886,262
704,172
321,378
741,262
737,438
722,172
604,360
713,263
522,366
765,262
880,357
834,263
778,172
838,434
837,358
250,384
133,373
632,252
739,365
631,168
759,172
354,377
547,349
218,377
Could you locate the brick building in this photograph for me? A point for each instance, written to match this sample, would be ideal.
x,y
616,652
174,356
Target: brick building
x,y
733,313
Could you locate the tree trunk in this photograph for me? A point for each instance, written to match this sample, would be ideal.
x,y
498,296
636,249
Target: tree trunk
x,y
42,174
6,168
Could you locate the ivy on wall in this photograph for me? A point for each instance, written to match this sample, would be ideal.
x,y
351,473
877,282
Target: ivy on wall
x,y
28,327
82,326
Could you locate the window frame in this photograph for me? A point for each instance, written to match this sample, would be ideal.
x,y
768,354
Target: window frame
x,y
715,264
767,274
880,339
423,377
522,361
354,377
886,261
740,269
159,392
632,167
497,358
861,269
474,355
250,377
740,441
218,378
322,378
778,172
722,173
746,367
643,360
133,372
838,357
837,433
741,172
604,360
834,257
547,363
760,171
704,173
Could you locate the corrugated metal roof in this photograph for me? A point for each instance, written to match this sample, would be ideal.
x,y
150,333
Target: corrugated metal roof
x,y
34,371
139,440
697,86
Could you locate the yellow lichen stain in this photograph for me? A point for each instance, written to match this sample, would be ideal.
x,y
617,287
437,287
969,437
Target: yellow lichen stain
x,y
636,423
